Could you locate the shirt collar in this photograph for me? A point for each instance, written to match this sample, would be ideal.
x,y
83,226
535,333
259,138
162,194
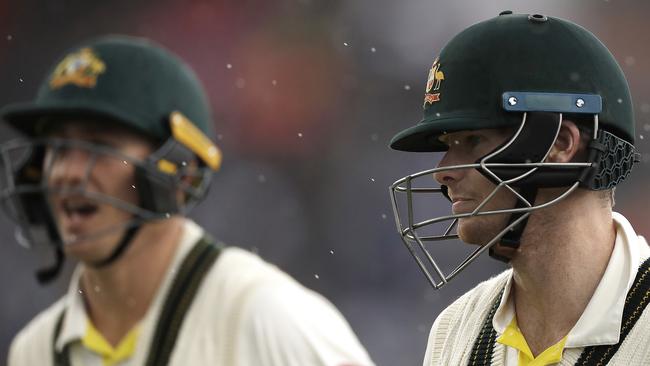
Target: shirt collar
x,y
74,324
600,323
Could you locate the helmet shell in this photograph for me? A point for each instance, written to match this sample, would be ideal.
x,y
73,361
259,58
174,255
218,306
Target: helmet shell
x,y
516,52
117,79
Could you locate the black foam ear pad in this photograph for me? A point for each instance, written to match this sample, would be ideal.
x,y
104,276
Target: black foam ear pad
x,y
535,139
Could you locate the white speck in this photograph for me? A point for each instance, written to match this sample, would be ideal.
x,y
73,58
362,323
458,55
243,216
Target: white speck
x,y
184,163
620,100
574,76
9,37
372,179
133,186
97,289
261,178
274,82
373,50
316,276
81,291
212,151
456,142
374,137
20,79
240,83
438,115
641,137
219,137
167,215
383,216
630,61
125,163
645,107
332,252
299,134
228,66
407,87
345,44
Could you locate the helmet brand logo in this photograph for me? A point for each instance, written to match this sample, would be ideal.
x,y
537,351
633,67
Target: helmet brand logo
x,y
80,68
436,76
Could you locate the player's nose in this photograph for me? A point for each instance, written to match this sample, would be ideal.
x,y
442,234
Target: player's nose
x,y
67,166
448,176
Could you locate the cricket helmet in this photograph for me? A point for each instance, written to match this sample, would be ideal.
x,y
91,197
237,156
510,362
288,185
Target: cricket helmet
x,y
112,80
527,72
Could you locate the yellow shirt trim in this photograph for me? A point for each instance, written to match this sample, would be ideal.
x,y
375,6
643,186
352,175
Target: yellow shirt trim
x,y
513,337
95,342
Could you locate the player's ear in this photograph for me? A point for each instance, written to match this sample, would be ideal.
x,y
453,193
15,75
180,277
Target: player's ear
x,y
567,144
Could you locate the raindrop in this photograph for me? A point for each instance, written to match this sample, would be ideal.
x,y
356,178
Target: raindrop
x,y
383,216
133,186
20,79
97,289
372,179
240,83
81,291
373,50
274,82
316,276
374,137
456,142
228,66
630,61
9,37
620,100
184,163
345,44
261,178
167,215
332,252
407,87
125,163
438,115
299,134
641,137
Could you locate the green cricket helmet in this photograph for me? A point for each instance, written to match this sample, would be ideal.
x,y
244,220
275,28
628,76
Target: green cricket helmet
x,y
527,72
113,80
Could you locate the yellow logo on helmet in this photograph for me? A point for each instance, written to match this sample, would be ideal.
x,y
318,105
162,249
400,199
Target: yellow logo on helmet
x,y
436,76
80,68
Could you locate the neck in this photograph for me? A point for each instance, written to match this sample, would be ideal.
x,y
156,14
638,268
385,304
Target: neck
x,y
563,255
118,295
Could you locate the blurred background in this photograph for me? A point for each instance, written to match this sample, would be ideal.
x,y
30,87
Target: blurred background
x,y
306,95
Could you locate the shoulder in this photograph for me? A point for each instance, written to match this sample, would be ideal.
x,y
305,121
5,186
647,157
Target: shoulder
x,y
33,344
634,350
456,326
278,318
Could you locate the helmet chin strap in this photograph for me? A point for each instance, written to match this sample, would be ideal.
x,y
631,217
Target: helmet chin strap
x,y
512,239
119,250
49,274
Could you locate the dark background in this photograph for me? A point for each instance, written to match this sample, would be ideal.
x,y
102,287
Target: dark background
x,y
306,95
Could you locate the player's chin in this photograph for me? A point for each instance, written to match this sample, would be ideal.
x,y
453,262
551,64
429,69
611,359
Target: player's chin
x,y
474,231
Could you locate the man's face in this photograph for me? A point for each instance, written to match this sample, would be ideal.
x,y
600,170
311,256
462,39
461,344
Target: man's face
x,y
468,188
74,167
